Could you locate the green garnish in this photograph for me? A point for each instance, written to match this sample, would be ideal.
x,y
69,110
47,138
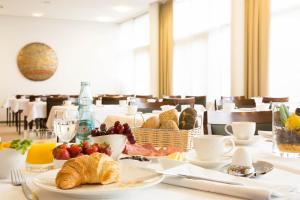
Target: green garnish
x,y
20,145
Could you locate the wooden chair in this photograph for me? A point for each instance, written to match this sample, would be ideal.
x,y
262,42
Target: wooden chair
x,y
144,96
179,102
275,99
245,103
217,120
172,96
55,101
113,100
232,98
200,100
146,107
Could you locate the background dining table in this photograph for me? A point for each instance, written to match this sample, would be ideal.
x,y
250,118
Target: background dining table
x,y
286,172
101,114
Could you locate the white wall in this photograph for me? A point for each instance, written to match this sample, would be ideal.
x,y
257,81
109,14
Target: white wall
x,y
237,48
85,51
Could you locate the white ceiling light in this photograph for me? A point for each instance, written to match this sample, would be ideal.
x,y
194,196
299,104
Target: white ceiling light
x,y
37,14
122,9
104,19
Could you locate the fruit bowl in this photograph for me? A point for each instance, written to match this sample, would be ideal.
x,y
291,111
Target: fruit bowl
x,y
116,141
10,159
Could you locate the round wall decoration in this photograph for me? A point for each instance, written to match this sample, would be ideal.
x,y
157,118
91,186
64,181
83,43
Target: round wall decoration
x,y
37,61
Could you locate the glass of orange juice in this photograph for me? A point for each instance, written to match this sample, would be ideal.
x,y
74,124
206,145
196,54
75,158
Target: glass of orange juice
x,y
39,156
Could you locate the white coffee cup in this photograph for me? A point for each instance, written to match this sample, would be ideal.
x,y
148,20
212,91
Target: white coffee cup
x,y
242,130
212,147
228,106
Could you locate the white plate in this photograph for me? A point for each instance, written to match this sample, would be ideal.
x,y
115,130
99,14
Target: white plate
x,y
208,164
46,181
251,141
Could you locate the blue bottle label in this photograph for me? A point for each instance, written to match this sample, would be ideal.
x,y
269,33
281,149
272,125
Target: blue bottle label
x,y
84,129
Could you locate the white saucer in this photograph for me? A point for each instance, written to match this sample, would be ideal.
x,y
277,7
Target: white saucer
x,y
251,141
209,164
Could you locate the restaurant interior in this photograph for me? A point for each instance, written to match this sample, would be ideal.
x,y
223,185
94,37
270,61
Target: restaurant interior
x,y
144,99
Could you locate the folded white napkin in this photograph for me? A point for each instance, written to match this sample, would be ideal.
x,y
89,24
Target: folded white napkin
x,y
251,189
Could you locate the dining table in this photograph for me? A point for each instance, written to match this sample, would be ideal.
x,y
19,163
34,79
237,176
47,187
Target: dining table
x,y
286,174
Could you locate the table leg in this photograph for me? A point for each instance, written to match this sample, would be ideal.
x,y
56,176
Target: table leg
x,y
25,123
7,116
16,120
36,123
20,113
13,118
30,124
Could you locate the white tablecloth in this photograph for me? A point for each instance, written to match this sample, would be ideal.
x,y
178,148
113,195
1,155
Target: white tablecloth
x,y
16,104
19,104
261,151
99,112
36,110
60,111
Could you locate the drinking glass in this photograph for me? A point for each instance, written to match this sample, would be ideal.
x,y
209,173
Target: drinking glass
x,y
286,134
65,125
39,157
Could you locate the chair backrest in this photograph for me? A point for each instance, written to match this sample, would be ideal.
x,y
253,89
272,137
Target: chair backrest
x,y
172,96
232,98
200,100
147,107
33,97
275,99
54,101
112,99
217,120
245,103
144,96
180,101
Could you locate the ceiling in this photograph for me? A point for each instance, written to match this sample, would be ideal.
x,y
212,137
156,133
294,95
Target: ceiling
x,y
86,10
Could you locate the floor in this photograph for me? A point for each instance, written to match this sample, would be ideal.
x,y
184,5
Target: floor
x,y
8,133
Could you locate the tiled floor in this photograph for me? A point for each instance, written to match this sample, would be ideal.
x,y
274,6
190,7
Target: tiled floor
x,y
8,133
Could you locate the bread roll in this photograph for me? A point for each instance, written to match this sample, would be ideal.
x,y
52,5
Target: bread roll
x,y
152,122
170,124
188,119
168,115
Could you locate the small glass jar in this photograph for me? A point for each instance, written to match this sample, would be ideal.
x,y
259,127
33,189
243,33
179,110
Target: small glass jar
x,y
286,135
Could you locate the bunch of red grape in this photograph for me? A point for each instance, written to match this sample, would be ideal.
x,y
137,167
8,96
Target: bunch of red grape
x,y
118,128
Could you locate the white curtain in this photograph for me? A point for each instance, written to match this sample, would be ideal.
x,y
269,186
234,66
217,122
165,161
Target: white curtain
x,y
202,48
284,63
134,57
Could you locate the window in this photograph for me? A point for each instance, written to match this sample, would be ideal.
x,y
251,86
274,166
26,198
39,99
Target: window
x,y
202,48
284,59
134,63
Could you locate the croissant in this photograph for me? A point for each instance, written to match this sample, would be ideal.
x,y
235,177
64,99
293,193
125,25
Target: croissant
x,y
96,168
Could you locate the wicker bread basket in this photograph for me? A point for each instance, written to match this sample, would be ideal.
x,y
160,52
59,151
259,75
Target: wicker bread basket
x,y
164,138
